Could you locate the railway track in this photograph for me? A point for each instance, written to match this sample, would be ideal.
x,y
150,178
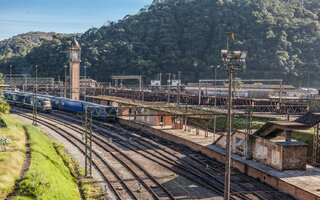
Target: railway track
x,y
181,160
126,191
155,151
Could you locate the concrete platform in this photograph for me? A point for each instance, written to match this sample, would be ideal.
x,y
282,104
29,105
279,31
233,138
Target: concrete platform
x,y
298,184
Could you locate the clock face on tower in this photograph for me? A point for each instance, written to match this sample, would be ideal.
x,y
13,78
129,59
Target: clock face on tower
x,y
74,56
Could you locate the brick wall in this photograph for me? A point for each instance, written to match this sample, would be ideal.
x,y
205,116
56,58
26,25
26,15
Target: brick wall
x,y
294,157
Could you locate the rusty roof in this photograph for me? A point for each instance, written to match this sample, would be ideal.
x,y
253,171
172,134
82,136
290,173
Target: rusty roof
x,y
190,111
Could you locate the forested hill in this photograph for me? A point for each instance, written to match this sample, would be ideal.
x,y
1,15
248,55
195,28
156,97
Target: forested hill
x,y
281,36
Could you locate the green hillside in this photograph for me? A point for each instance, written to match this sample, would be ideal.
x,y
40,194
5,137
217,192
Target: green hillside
x,y
282,37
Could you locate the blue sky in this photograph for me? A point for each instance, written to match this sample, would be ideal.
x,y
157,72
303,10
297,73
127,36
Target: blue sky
x,y
62,16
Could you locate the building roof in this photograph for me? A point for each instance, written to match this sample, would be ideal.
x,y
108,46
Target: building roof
x,y
75,44
274,128
264,86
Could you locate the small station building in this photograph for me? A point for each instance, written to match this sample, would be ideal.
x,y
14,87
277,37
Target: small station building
x,y
272,144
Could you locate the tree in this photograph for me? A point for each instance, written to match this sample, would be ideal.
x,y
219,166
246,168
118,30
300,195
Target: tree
x,y
282,38
4,106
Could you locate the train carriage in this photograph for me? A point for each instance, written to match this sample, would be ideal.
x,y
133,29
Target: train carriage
x,y
25,99
101,112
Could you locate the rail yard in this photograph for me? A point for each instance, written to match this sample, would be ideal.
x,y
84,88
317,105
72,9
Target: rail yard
x,y
136,165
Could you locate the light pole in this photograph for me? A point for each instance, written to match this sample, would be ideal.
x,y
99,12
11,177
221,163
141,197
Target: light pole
x,y
215,100
85,80
234,61
169,88
179,87
60,90
35,99
10,75
65,81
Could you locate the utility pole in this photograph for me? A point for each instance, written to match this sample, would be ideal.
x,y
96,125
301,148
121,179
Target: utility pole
x,y
160,79
233,60
169,88
199,94
85,79
60,90
280,91
215,101
35,108
10,75
88,141
65,81
179,86
228,145
308,83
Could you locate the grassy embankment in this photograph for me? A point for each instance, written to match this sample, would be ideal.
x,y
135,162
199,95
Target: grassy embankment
x,y
48,177
11,161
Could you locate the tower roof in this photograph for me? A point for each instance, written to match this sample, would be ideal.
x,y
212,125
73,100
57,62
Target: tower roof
x,y
75,44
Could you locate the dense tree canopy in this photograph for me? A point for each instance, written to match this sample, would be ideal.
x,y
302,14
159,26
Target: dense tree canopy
x,y
4,106
281,36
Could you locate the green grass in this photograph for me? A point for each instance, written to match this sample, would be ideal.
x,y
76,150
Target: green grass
x,y
11,161
306,137
48,177
238,123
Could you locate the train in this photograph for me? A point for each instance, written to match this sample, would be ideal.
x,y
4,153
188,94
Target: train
x,y
26,100
46,103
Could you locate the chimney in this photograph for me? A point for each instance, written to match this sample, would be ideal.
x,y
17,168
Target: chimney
x,y
288,136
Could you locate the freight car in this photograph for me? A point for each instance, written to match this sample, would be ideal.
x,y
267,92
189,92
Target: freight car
x,y
26,100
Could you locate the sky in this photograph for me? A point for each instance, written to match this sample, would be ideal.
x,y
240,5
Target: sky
x,y
62,16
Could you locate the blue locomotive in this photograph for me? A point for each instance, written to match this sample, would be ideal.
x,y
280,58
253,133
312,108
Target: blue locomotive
x,y
99,111
27,100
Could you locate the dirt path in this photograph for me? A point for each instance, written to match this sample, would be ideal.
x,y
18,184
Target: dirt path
x,y
25,167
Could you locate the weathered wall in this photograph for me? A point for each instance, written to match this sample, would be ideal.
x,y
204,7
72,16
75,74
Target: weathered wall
x,y
294,157
267,152
237,146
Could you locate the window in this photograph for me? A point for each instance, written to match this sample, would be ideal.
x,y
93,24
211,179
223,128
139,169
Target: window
x,y
239,144
275,157
261,152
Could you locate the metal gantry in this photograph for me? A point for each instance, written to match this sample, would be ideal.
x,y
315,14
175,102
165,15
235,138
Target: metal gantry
x,y
248,142
169,82
35,108
116,78
316,141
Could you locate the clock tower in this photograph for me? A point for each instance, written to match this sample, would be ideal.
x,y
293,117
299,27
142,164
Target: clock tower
x,y
74,59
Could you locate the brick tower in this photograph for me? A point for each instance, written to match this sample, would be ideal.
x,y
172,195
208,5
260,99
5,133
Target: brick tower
x,y
74,57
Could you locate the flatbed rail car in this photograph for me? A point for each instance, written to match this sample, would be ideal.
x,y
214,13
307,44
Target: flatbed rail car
x,y
26,100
